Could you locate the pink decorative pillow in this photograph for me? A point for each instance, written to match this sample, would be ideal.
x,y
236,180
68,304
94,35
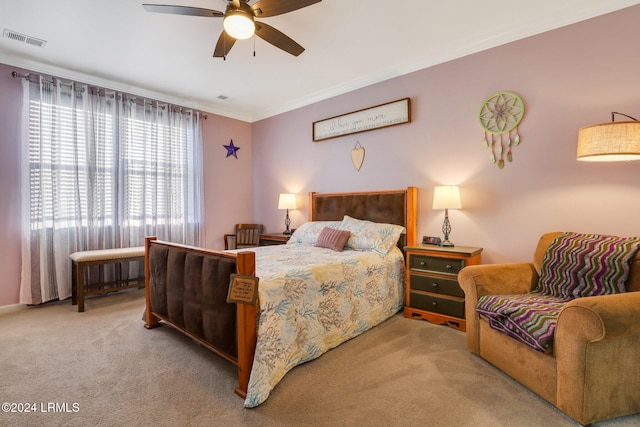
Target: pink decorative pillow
x,y
333,239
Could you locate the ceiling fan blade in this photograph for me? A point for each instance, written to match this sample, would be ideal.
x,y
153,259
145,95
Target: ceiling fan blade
x,y
182,10
224,45
267,8
278,39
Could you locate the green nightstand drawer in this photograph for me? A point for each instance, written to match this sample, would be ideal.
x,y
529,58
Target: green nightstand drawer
x,y
434,304
436,264
438,285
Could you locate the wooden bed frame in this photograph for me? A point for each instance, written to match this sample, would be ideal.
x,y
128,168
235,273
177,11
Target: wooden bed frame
x,y
169,290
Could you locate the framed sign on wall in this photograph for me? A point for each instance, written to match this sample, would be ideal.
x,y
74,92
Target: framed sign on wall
x,y
381,116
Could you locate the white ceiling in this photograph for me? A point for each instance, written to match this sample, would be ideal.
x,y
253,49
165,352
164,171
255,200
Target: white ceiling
x,y
349,44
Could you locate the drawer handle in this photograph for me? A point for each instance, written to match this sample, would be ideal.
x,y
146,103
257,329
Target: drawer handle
x,y
423,263
434,285
449,267
435,304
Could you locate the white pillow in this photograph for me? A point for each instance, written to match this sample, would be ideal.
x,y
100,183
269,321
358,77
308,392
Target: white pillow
x,y
308,232
374,236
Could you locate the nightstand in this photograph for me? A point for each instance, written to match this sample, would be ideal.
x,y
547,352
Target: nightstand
x,y
274,239
433,292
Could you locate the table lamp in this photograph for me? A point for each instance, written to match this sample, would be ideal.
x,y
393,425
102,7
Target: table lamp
x,y
446,197
287,201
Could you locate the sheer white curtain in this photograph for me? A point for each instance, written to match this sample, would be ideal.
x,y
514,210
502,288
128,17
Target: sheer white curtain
x,y
101,170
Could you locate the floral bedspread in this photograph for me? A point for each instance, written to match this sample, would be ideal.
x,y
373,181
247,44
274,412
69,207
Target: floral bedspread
x,y
313,299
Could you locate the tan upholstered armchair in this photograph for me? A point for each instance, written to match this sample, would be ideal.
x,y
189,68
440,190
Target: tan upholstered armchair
x,y
592,371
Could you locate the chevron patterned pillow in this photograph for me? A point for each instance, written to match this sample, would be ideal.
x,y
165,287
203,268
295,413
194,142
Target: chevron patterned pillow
x,y
580,265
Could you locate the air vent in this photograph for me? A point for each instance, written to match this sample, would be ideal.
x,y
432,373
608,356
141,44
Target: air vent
x,y
23,38
223,97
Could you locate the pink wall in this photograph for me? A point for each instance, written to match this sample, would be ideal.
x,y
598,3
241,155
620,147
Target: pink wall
x,y
568,78
227,180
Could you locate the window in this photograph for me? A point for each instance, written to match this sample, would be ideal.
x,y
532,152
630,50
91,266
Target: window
x,y
102,170
151,172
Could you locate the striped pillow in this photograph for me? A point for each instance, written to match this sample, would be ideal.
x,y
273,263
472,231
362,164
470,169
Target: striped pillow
x,y
308,232
331,238
580,265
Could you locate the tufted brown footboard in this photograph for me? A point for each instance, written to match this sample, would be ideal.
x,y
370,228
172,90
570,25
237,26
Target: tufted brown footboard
x,y
187,288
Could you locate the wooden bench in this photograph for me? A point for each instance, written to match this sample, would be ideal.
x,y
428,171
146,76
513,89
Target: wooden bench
x,y
81,260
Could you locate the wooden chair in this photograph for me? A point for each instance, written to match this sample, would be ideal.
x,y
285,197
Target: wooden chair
x,y
246,236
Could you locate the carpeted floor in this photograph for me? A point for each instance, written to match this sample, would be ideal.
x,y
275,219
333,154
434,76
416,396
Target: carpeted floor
x,y
103,368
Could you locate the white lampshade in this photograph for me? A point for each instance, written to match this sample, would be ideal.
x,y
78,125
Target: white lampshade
x,y
239,24
609,142
446,197
287,201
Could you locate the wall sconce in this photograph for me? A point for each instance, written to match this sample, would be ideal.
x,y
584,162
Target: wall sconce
x,y
287,201
446,197
610,142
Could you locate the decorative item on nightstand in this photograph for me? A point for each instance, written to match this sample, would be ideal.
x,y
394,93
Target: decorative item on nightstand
x,y
446,197
287,201
610,142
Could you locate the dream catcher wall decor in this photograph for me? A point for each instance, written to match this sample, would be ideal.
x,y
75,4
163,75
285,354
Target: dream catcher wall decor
x,y
499,116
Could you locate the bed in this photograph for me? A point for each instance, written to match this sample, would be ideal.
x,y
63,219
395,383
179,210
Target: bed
x,y
311,299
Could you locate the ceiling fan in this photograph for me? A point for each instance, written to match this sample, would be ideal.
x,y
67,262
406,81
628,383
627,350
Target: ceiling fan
x,y
239,22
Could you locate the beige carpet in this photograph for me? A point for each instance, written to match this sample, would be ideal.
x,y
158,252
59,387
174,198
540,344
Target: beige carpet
x,y
103,368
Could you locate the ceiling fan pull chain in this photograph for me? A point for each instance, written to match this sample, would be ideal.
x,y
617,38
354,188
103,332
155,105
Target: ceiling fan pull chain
x,y
254,45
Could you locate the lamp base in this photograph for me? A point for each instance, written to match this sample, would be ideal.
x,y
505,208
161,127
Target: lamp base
x,y
446,230
287,224
447,244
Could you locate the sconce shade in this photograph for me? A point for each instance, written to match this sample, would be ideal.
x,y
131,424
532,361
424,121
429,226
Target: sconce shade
x,y
609,142
287,201
239,24
446,197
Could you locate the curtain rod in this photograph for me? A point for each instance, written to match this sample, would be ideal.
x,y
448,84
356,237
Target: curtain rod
x,y
15,75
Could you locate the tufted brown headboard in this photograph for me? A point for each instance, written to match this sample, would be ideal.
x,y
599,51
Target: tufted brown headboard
x,y
389,206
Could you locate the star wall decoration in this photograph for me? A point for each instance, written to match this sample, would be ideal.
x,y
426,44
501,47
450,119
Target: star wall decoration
x,y
231,149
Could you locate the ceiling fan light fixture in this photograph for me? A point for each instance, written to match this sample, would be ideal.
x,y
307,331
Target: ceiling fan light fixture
x,y
239,24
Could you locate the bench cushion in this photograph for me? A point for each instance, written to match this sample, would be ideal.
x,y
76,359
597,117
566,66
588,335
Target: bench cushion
x,y
107,254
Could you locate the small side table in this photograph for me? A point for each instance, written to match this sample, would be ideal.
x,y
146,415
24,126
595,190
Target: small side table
x,y
274,239
433,292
